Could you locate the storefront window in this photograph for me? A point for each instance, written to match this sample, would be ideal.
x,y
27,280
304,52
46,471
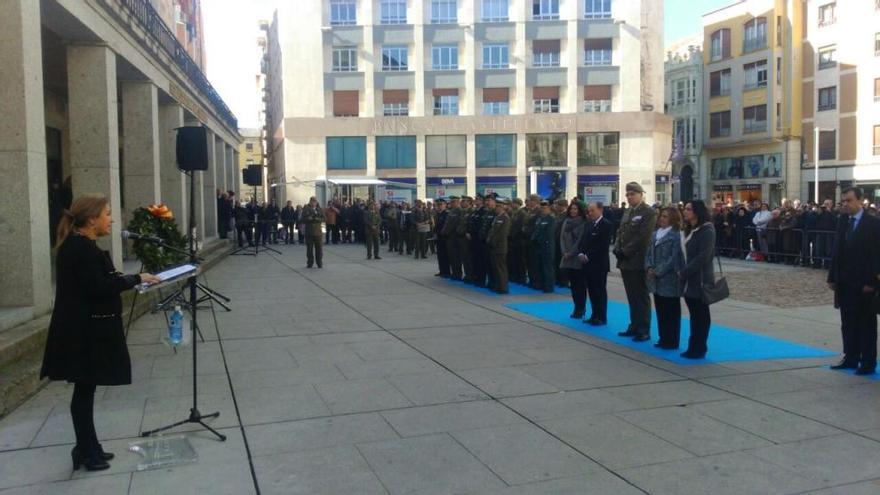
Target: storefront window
x,y
598,148
546,150
395,152
445,151
496,150
346,153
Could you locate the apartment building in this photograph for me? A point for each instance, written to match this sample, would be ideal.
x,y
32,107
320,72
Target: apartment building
x,y
841,96
684,103
250,152
467,96
753,58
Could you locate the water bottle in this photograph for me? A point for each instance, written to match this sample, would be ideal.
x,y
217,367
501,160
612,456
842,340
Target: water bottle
x,y
175,328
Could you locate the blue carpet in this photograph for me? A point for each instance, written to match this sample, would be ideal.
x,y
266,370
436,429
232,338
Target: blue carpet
x,y
725,344
874,377
514,289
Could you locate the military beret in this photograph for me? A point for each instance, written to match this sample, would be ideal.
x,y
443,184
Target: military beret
x,y
562,202
453,198
468,198
491,196
517,201
534,197
634,187
440,200
545,203
504,201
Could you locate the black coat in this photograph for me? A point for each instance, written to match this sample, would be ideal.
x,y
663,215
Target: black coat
x,y
699,254
86,341
855,262
595,243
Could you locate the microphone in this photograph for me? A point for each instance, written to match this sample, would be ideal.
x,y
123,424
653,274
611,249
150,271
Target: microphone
x,y
141,237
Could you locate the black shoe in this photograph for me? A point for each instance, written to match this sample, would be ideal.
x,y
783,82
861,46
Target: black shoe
x,y
438,274
864,370
628,333
596,322
369,257
503,291
576,315
692,355
91,463
378,258
845,365
659,345
641,338
107,456
320,265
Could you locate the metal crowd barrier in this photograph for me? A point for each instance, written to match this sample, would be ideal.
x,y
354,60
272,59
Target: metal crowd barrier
x,y
804,247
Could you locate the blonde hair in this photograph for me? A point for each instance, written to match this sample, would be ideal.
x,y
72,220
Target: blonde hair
x,y
83,209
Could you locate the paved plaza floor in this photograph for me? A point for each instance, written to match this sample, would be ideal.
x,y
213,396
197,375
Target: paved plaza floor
x,y
377,377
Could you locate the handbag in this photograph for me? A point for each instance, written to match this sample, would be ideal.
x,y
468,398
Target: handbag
x,y
717,290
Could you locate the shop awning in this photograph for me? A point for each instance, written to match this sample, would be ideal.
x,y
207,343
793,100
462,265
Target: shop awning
x,y
363,181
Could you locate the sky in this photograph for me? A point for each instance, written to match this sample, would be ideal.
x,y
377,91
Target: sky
x,y
233,57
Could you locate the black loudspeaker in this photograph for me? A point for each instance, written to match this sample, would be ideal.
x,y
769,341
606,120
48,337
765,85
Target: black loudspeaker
x,y
192,148
252,175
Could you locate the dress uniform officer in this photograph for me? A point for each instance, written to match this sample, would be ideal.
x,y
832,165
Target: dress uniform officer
x,y
312,217
544,245
633,238
497,239
532,256
484,269
450,237
372,225
515,263
440,216
464,244
420,223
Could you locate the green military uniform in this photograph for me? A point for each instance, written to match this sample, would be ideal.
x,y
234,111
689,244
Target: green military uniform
x,y
515,261
533,265
464,246
482,264
392,220
313,217
372,224
420,225
544,245
633,238
450,237
497,243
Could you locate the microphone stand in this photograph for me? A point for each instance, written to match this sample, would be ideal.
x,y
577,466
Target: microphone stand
x,y
194,415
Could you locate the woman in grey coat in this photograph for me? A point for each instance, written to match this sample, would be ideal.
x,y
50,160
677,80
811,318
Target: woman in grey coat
x,y
663,261
569,242
699,253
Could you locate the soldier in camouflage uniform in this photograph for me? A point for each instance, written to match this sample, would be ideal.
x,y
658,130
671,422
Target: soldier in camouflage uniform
x,y
515,249
483,268
633,239
497,239
450,237
420,222
372,226
392,221
544,245
464,243
440,215
533,259
312,217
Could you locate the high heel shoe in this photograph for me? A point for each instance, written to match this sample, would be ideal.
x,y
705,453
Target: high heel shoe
x,y
107,456
93,463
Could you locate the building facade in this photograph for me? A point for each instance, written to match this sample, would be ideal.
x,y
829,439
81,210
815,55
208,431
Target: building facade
x,y
684,103
753,59
250,152
97,89
467,96
841,96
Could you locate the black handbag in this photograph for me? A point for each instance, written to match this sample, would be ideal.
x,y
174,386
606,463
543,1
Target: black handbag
x,y
718,290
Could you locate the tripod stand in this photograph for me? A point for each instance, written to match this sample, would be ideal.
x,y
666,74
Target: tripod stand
x,y
195,416
242,251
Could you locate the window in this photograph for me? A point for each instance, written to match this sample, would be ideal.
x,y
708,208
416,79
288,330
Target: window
x,y
678,94
546,150
345,59
345,104
394,58
877,140
755,75
346,153
597,51
395,152
496,108
249,147
545,9
496,150
692,91
720,44
445,151
755,118
494,11
827,15
546,105
719,83
877,89
343,13
445,104
395,102
778,70
827,98
827,57
779,30
598,149
495,101
545,53
827,145
444,11
597,98
719,124
779,116
597,9
495,56
877,44
444,57
393,12
685,132
755,34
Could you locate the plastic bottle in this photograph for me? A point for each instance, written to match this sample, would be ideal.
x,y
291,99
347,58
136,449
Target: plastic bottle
x,y
175,327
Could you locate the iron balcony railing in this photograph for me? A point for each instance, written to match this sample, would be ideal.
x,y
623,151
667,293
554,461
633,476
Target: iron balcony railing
x,y
143,13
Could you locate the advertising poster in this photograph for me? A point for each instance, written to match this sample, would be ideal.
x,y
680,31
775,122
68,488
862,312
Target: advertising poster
x,y
597,194
551,185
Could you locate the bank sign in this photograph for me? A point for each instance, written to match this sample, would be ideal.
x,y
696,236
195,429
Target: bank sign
x,y
595,194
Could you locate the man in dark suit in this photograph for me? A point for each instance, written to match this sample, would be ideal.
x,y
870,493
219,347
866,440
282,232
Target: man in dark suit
x,y
855,266
594,255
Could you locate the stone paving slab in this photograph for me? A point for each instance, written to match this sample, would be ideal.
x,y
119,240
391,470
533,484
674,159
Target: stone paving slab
x,y
377,377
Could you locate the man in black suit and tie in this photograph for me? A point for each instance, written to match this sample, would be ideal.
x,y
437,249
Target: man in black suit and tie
x,y
855,265
595,243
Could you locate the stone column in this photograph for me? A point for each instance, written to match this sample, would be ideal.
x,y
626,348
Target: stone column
x,y
24,214
140,146
210,189
232,156
171,178
94,132
222,167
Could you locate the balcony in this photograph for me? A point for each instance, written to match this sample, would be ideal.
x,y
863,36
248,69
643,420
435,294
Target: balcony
x,y
754,44
142,13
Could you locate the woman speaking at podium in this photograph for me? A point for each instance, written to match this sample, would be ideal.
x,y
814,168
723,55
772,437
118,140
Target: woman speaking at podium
x,y
86,343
